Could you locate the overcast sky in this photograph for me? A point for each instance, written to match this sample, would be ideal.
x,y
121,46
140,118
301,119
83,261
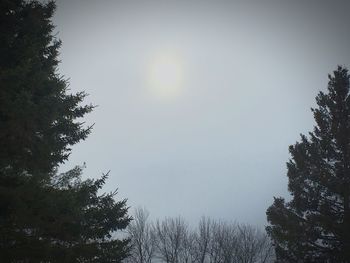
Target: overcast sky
x,y
198,101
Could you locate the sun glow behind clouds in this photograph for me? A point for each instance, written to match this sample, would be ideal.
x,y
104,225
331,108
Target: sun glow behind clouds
x,y
166,75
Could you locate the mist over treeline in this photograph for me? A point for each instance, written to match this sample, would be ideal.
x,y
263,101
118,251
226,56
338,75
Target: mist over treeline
x,y
172,240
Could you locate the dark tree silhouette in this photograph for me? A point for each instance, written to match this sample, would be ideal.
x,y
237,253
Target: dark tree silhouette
x,y
45,216
38,118
315,225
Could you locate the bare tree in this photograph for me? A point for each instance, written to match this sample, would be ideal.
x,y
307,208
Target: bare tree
x,y
142,238
170,234
223,243
172,241
188,249
266,252
215,255
202,240
253,245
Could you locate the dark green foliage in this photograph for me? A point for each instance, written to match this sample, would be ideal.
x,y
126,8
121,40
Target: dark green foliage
x,y
64,221
45,216
315,225
37,116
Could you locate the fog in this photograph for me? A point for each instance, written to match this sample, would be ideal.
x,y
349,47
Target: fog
x,y
216,143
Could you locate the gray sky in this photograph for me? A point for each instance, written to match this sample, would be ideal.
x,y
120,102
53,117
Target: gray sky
x,y
198,101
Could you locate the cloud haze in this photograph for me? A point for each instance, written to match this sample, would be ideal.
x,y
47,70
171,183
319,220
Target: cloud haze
x,y
219,147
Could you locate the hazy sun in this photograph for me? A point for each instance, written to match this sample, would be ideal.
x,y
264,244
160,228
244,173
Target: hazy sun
x,y
166,74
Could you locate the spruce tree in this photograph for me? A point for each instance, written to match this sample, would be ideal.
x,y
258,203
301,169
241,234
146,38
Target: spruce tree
x,y
46,216
38,118
314,226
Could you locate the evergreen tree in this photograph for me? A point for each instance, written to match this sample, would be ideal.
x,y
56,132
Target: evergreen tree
x,y
314,226
45,216
63,221
37,115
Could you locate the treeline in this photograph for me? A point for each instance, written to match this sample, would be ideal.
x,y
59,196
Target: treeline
x,y
172,240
